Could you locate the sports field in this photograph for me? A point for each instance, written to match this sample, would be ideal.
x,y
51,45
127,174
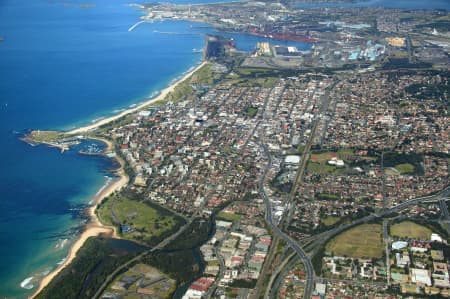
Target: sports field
x,y
363,241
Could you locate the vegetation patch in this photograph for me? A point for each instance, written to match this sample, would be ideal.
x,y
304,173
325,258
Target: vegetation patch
x,y
409,229
330,220
251,111
243,283
228,216
324,157
203,76
182,266
45,136
399,63
138,220
328,196
94,262
319,168
142,279
405,168
441,25
321,158
363,241
194,236
402,160
318,162
428,91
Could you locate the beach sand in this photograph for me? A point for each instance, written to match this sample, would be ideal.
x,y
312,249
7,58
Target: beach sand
x,y
95,228
159,97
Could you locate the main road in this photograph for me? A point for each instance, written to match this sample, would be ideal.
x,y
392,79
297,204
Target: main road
x,y
310,274
322,238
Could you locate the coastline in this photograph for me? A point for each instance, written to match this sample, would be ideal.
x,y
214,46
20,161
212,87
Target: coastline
x,y
95,227
158,98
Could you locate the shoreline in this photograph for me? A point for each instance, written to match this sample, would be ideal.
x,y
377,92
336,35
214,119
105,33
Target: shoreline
x,y
94,227
153,100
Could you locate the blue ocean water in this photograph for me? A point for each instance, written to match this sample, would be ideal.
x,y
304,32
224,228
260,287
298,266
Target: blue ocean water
x,y
62,65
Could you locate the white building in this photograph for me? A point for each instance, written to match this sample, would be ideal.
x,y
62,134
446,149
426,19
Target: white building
x,y
292,159
420,276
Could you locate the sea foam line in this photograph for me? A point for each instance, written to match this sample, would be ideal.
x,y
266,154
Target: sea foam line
x,y
61,243
108,180
27,283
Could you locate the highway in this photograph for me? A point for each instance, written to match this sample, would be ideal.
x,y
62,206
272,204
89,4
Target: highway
x,y
310,274
309,269
444,209
445,217
317,240
322,238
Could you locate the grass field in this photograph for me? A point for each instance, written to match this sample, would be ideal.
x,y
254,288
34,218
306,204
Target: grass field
x,y
318,163
330,220
144,220
409,229
324,157
46,136
266,82
363,241
321,158
228,216
405,168
320,168
203,76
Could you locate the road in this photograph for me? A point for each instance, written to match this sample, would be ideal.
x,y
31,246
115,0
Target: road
x,y
444,210
309,269
161,245
322,238
386,248
325,101
318,240
221,273
277,277
445,218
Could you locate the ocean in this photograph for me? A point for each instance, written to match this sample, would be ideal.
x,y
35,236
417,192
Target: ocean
x,y
63,65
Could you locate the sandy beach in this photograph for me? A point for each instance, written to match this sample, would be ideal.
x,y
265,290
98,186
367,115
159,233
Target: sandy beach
x,y
159,97
95,228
